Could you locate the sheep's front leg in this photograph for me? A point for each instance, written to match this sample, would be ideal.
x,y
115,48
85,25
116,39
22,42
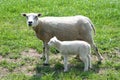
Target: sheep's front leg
x,y
46,54
43,54
65,63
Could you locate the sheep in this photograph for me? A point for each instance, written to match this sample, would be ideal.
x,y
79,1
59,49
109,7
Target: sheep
x,y
64,28
76,47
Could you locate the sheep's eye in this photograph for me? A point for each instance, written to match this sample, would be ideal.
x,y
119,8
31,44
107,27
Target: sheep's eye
x,y
27,17
35,17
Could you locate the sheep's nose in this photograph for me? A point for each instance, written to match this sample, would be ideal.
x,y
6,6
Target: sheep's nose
x,y
30,23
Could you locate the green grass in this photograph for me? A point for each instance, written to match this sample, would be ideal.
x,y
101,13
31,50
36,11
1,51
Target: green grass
x,y
16,37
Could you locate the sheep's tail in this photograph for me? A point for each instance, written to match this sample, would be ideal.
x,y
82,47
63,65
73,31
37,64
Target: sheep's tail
x,y
92,26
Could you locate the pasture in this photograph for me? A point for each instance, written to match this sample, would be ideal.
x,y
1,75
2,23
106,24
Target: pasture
x,y
20,50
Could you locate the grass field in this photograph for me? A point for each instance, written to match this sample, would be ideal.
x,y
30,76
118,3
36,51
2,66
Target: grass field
x,y
20,49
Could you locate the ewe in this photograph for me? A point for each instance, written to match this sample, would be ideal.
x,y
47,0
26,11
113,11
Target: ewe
x,y
67,48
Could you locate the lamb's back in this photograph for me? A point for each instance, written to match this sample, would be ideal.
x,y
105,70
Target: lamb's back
x,y
74,47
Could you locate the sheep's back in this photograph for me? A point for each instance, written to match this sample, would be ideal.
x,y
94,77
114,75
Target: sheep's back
x,y
66,28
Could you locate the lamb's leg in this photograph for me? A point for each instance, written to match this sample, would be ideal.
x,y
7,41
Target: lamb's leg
x,y
65,63
46,55
89,59
85,61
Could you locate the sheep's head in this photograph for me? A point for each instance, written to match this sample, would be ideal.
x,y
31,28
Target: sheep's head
x,y
52,41
32,18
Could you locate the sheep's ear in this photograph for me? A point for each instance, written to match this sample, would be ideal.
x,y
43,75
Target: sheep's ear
x,y
39,14
23,14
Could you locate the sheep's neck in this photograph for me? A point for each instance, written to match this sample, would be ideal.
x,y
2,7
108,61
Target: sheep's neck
x,y
38,27
39,31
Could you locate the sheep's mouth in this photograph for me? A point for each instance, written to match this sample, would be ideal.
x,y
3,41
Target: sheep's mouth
x,y
29,24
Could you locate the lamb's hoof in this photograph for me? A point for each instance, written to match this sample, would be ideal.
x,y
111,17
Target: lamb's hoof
x,y
91,68
46,64
65,71
85,70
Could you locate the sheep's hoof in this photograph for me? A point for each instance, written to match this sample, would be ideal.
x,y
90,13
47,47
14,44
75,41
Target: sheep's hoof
x,y
99,62
77,57
46,64
43,58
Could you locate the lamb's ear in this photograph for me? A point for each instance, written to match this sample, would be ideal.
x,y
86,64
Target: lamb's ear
x,y
23,14
39,14
55,38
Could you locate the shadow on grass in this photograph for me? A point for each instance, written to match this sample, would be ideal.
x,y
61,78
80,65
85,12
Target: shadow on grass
x,y
55,72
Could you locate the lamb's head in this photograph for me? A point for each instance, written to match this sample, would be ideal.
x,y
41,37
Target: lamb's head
x,y
52,41
32,18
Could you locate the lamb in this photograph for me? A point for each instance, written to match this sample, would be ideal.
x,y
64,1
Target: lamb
x,y
67,48
64,28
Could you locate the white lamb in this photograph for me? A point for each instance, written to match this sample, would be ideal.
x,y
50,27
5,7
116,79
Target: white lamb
x,y
67,48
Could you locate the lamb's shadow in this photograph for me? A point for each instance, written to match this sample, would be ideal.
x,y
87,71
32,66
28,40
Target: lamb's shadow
x,y
56,69
44,70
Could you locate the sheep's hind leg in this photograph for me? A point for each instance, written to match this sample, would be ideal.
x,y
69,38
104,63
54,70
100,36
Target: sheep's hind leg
x,y
99,56
91,42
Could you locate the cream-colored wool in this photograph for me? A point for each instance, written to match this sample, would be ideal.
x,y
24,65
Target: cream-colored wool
x,y
64,28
